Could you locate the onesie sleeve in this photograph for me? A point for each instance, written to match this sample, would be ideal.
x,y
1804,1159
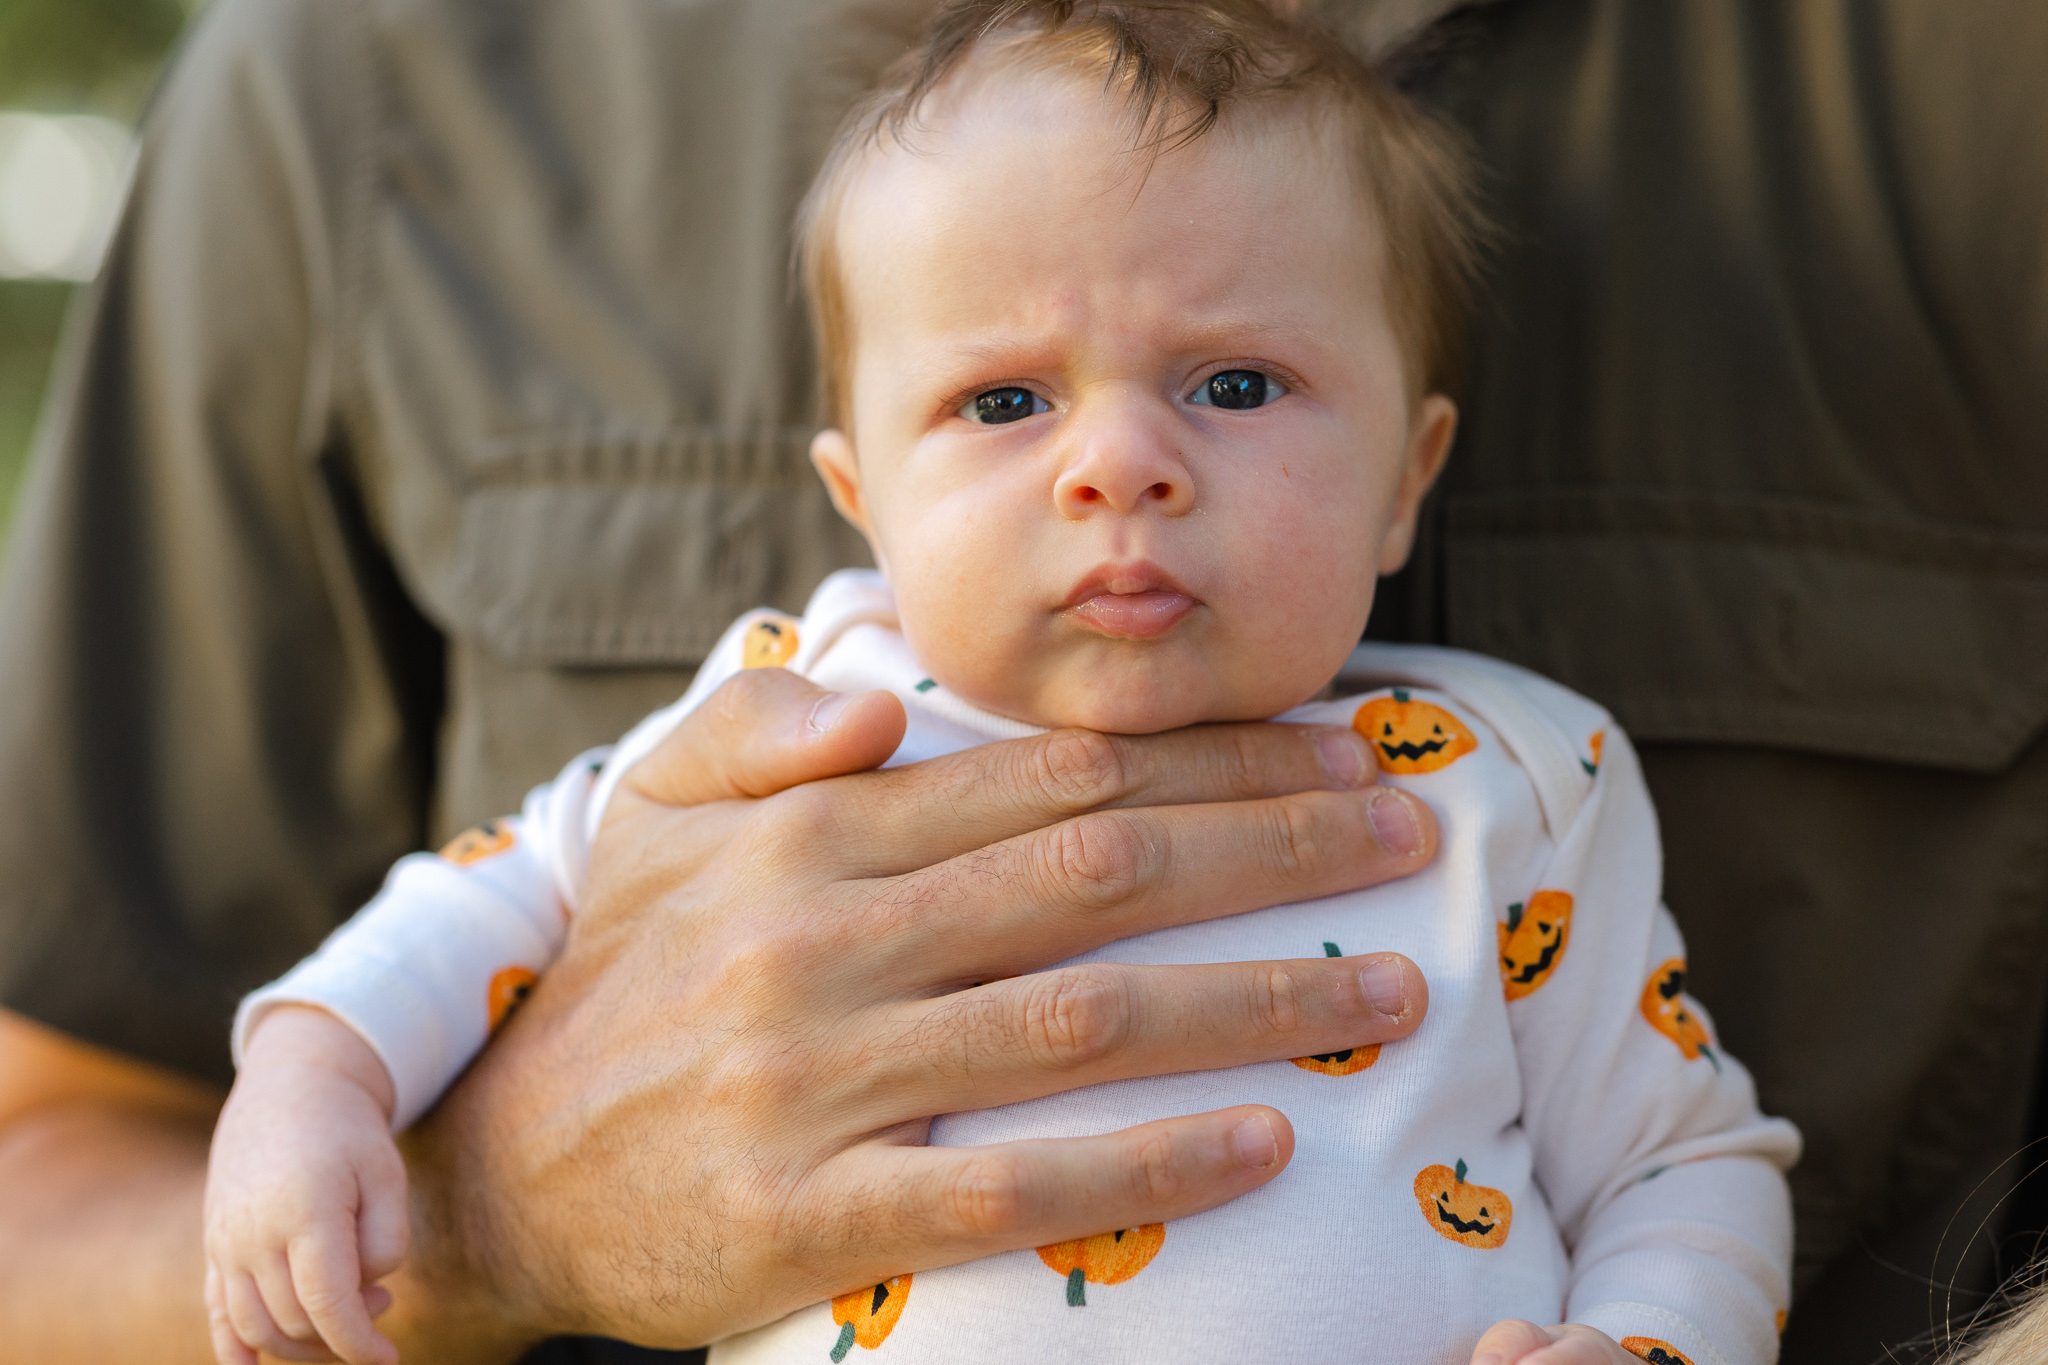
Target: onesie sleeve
x,y
455,939
1666,1180
450,944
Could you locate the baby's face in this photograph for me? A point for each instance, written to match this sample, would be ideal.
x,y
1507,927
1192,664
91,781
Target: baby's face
x,y
1132,443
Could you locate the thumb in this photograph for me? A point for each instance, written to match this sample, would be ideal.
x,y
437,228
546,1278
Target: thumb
x,y
763,731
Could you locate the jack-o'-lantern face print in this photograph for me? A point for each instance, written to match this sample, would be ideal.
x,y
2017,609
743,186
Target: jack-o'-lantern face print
x,y
1409,736
1655,1351
1105,1258
867,1316
1672,1014
475,845
1470,1215
1348,1062
1532,941
769,643
509,989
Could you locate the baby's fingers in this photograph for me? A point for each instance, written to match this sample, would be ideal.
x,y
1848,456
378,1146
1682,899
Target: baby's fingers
x,y
254,1325
1507,1342
228,1349
384,1225
329,1283
1571,1343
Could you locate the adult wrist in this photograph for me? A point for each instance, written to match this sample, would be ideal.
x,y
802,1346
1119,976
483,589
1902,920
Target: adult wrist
x,y
465,1295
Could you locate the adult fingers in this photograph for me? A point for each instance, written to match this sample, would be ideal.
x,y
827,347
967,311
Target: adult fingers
x,y
911,817
919,1207
764,730
328,1281
1054,1031
1108,875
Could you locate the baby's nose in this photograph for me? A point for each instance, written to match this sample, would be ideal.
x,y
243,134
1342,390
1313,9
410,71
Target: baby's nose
x,y
1125,472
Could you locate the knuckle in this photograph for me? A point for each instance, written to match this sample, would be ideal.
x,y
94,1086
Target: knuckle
x,y
1098,860
1275,1001
1239,760
802,817
1296,842
1077,1016
987,1198
1080,769
1156,1176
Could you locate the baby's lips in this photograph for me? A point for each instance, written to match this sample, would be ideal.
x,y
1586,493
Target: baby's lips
x,y
1136,615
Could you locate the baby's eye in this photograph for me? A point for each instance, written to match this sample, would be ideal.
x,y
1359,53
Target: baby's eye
x,y
1003,405
1238,389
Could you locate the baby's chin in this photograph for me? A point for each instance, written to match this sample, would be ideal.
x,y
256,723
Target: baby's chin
x,y
1146,705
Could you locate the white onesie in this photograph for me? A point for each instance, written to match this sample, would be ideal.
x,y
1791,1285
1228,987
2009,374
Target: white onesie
x,y
1561,1139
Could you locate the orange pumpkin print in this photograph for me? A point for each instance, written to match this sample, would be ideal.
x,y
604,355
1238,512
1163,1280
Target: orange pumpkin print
x,y
1781,1322
1412,736
509,989
1596,743
1532,941
867,1316
1105,1258
1655,1351
769,643
1351,1060
1671,1014
1470,1215
475,845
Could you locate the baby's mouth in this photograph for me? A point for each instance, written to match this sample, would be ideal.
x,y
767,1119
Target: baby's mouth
x,y
1135,615
1131,602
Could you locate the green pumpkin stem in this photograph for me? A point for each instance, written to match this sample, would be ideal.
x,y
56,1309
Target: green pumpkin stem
x,y
1331,950
1077,1288
1709,1051
846,1335
1461,1170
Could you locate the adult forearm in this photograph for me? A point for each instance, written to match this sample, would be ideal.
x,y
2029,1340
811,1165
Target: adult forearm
x,y
100,1237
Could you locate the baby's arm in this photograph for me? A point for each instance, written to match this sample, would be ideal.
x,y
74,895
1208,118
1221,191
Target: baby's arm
x,y
1666,1181
306,1194
305,1197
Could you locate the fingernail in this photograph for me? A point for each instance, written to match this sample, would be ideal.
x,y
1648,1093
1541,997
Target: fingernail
x,y
1394,823
1256,1146
828,710
1344,757
1385,987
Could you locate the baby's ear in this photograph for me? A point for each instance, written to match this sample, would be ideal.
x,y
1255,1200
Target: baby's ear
x,y
1429,445
832,456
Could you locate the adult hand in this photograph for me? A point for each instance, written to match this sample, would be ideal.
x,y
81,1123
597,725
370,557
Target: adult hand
x,y
711,1111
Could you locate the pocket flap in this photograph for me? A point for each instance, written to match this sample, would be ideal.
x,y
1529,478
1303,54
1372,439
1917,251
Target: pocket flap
x,y
1783,624
637,552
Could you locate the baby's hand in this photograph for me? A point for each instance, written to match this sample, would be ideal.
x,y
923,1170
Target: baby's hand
x,y
1568,1343
305,1198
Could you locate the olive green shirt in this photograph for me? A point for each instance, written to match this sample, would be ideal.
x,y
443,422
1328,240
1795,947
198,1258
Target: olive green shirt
x,y
444,394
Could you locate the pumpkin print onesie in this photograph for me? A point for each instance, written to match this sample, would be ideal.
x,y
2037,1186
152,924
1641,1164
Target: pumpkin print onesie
x,y
1562,1139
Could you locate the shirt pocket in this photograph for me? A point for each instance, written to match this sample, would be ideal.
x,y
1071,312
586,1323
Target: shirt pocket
x,y
1754,622
633,550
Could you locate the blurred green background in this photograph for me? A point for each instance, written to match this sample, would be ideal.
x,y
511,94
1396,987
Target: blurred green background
x,y
64,57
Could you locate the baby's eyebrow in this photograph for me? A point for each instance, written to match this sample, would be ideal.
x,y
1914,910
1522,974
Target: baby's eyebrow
x,y
1217,334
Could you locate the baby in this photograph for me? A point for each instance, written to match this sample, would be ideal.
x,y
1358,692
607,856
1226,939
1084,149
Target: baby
x,y
1136,318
